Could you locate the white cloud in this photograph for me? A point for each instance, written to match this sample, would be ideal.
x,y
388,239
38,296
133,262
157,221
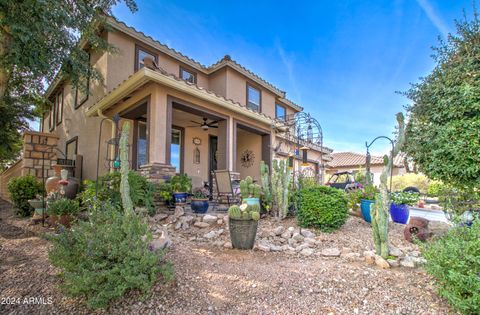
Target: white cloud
x,y
434,17
288,63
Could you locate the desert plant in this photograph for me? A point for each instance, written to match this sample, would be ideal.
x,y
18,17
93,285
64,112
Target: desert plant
x,y
404,198
63,206
200,193
379,211
244,212
435,188
280,187
104,257
400,182
248,189
165,191
322,207
22,189
453,261
141,191
181,183
368,192
266,189
354,198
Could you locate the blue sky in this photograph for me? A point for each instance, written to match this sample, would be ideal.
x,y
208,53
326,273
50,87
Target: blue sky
x,y
341,60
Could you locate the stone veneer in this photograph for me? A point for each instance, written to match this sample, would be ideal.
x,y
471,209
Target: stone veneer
x,y
157,172
36,147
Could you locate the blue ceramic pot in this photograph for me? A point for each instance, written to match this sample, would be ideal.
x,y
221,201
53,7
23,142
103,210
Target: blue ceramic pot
x,y
365,208
199,205
180,197
399,213
251,201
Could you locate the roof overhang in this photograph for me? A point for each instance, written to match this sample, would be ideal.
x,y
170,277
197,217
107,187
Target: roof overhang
x,y
145,75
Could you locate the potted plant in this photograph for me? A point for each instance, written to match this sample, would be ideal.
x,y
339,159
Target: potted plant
x,y
181,186
165,192
400,201
367,199
39,205
61,211
250,192
200,200
243,223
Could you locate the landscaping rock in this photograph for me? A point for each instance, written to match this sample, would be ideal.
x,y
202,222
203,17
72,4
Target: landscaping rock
x,y
228,245
438,228
381,262
331,252
162,242
159,217
179,211
307,234
209,218
369,257
307,252
297,237
407,262
394,251
188,219
275,248
287,234
393,262
278,230
220,222
201,225
352,257
263,246
310,241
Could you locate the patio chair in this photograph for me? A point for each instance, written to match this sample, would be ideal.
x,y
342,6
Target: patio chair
x,y
224,186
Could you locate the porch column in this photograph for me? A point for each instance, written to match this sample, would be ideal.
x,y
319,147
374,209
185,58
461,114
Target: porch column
x,y
159,120
223,145
266,152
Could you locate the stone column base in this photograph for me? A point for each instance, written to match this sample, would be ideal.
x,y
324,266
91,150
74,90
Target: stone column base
x,y
157,172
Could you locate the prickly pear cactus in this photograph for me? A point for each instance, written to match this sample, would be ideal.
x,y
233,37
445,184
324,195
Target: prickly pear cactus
x,y
379,210
124,186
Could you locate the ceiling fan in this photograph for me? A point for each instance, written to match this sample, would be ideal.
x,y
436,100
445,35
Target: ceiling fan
x,y
205,125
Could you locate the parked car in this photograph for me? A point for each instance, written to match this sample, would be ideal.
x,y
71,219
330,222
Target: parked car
x,y
344,180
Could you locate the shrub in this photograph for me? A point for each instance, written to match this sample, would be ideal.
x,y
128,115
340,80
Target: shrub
x,y
354,197
404,198
454,261
141,191
435,188
400,182
22,189
322,207
104,257
63,206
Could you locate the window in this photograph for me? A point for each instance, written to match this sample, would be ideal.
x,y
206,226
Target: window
x,y
176,149
71,148
59,107
140,54
280,112
51,118
188,75
253,98
81,92
141,144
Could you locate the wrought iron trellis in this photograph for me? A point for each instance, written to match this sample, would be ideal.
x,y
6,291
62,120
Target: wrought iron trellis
x,y
300,132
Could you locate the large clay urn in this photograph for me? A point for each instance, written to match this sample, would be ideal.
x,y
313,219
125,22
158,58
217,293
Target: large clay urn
x,y
52,182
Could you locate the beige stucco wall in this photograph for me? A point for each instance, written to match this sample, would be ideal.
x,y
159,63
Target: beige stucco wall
x,y
253,142
218,82
199,170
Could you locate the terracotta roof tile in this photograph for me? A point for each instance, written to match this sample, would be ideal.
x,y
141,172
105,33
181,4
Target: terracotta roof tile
x,y
343,159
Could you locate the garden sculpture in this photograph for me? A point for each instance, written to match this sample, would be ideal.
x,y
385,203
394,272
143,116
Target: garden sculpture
x,y
417,228
379,210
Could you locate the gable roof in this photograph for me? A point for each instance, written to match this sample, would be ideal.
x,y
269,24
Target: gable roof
x,y
344,159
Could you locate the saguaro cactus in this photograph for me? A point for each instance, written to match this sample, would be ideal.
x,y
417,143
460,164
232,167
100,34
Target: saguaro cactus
x,y
124,186
280,182
379,210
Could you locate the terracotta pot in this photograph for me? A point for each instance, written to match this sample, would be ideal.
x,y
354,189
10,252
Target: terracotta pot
x,y
72,188
64,219
52,182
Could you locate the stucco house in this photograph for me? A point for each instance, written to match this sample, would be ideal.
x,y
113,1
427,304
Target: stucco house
x,y
186,117
354,162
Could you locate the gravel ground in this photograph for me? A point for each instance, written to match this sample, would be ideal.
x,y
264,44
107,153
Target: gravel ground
x,y
216,280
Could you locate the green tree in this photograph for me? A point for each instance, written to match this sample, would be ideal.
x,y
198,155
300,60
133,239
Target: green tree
x,y
40,40
443,133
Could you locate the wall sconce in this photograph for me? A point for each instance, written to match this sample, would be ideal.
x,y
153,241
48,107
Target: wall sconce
x,y
196,156
304,156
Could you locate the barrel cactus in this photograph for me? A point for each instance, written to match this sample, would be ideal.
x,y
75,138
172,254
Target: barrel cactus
x,y
234,212
244,212
248,189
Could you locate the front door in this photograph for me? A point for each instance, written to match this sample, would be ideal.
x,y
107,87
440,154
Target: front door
x,y
212,159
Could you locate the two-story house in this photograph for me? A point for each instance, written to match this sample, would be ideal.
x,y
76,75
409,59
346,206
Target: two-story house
x,y
186,117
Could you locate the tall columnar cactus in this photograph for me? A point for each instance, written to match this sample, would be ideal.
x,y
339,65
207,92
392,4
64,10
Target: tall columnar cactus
x,y
267,192
379,210
124,186
280,186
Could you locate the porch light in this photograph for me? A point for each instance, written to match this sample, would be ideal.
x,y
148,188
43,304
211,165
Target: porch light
x,y
290,160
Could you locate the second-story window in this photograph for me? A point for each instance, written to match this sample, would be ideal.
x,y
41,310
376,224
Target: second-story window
x,y
140,55
51,118
280,112
187,75
253,98
59,107
81,92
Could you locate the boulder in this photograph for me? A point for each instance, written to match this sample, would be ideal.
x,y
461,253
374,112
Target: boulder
x,y
393,262
208,218
179,211
307,252
159,217
263,246
369,257
278,230
331,252
381,262
228,245
297,237
394,251
352,256
307,233
287,234
201,225
407,262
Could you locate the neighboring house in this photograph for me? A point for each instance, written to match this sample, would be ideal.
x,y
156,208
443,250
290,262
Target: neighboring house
x,y
185,117
354,162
